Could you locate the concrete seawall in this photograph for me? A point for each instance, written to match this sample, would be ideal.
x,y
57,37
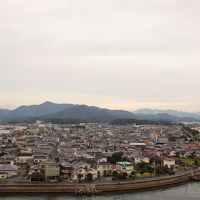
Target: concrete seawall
x,y
145,184
101,187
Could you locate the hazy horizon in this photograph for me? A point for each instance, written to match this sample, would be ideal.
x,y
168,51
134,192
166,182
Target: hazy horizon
x,y
112,53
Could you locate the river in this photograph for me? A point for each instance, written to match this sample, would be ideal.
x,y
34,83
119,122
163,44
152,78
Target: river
x,y
188,191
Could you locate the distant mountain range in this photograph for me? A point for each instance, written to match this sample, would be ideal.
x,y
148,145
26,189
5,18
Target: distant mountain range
x,y
54,112
147,111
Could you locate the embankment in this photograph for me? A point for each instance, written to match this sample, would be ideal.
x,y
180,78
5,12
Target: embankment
x,y
101,187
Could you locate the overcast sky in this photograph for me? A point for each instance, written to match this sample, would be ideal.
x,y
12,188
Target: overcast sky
x,y
121,54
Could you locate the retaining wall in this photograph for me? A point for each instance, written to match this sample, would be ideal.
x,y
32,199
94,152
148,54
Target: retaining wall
x,y
102,187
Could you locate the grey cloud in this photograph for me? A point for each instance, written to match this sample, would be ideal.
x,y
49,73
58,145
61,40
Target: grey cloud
x,y
138,50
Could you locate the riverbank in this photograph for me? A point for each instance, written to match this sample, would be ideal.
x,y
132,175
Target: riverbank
x,y
97,188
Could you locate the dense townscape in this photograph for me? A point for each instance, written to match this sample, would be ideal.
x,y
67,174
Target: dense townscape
x,y
44,152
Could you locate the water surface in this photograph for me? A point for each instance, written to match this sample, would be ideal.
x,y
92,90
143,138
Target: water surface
x,y
190,191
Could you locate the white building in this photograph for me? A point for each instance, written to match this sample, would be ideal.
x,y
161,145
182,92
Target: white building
x,y
83,171
169,162
104,169
141,159
125,167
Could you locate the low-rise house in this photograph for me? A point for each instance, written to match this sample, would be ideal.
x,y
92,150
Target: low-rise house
x,y
10,149
78,174
27,150
162,140
44,149
94,152
187,154
7,160
36,173
88,158
51,172
169,162
65,170
198,154
9,170
102,160
172,153
104,169
125,167
40,158
3,176
83,171
142,159
24,159
92,174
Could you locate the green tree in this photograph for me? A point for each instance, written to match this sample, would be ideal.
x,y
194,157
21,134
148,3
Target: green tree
x,y
143,167
162,170
116,157
122,175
